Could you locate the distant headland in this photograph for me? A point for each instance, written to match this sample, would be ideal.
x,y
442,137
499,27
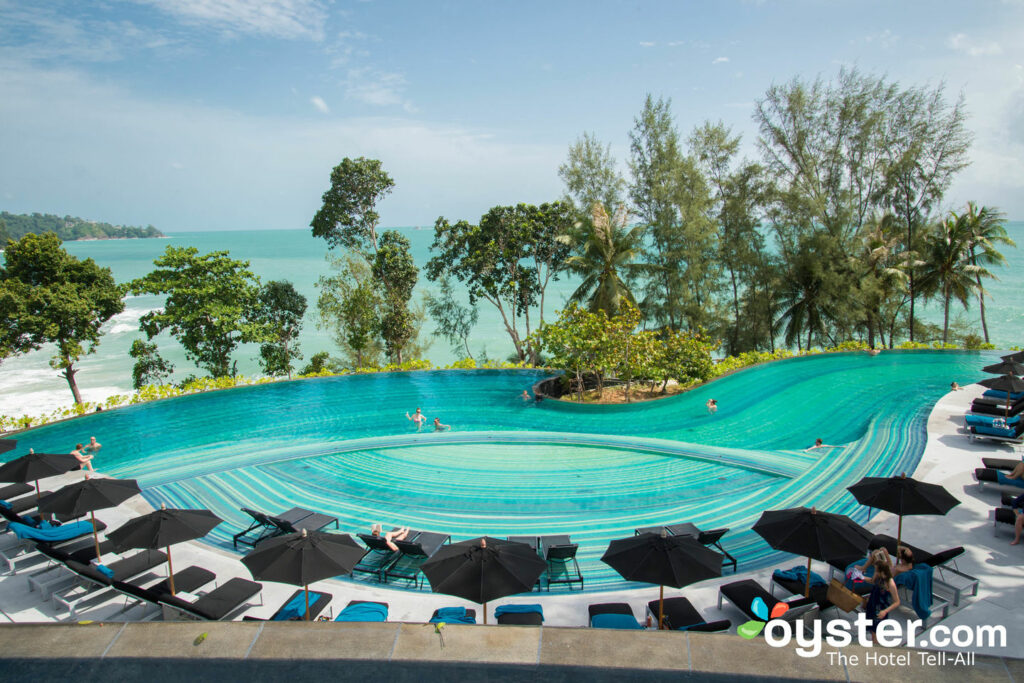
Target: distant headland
x,y
68,228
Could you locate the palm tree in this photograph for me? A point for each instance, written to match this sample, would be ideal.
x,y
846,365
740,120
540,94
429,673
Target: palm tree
x,y
881,278
948,269
985,231
606,250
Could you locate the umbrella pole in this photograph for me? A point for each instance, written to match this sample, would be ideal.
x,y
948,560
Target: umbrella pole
x,y
37,489
807,587
306,586
899,536
95,535
170,570
661,607
485,614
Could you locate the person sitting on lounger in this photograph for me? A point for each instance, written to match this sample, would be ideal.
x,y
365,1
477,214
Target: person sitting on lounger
x,y
418,417
391,536
438,427
884,597
875,558
904,560
818,443
1017,472
84,459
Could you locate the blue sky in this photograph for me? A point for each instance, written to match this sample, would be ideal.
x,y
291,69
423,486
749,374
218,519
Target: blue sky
x,y
229,114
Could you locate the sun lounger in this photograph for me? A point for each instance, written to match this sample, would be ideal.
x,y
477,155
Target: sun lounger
x,y
1005,515
950,577
453,615
379,556
14,510
294,608
189,580
216,605
681,615
414,553
519,615
526,540
743,593
314,521
54,575
30,538
616,615
362,610
1000,463
14,490
562,564
989,477
92,579
712,537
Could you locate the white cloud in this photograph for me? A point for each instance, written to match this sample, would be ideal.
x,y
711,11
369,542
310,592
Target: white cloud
x,y
646,43
278,18
676,43
962,43
113,160
720,60
378,88
885,38
319,103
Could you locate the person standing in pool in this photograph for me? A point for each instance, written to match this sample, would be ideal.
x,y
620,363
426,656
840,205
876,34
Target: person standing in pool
x,y
418,417
712,406
93,446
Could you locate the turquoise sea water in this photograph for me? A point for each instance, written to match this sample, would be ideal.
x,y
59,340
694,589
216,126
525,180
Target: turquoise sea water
x,y
29,385
344,446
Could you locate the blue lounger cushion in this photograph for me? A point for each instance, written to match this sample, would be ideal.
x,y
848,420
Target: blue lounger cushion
x,y
518,609
978,420
51,534
619,621
1008,432
996,393
363,611
799,573
1003,479
296,608
453,615
105,570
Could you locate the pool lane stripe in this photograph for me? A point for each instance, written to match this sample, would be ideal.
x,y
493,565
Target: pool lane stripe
x,y
181,466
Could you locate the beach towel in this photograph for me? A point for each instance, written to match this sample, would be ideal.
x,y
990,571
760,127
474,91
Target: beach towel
x,y
919,581
296,607
453,615
364,611
799,574
51,534
1003,479
518,609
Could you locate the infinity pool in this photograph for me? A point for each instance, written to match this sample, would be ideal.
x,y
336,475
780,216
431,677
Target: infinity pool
x,y
343,446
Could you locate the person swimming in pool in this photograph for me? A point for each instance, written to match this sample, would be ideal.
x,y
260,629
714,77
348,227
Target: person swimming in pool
x,y
93,446
438,427
819,444
418,417
712,406
525,396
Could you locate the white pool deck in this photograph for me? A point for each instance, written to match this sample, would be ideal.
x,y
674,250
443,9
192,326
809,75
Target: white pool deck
x,y
949,459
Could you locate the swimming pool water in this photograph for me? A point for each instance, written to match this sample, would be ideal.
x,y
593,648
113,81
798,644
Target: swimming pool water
x,y
343,446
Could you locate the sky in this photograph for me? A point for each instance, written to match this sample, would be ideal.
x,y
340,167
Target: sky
x,y
230,114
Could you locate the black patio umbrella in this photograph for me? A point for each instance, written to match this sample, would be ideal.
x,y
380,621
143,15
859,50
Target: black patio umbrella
x,y
816,535
484,569
1017,356
675,561
1006,367
7,445
1007,383
74,500
903,495
36,466
303,558
162,529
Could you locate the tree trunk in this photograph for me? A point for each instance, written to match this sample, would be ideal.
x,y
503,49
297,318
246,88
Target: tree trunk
x,y
945,317
629,371
810,331
981,304
736,312
465,343
69,374
287,359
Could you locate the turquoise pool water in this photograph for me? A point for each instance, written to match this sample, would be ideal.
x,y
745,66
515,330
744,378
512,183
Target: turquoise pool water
x,y
343,446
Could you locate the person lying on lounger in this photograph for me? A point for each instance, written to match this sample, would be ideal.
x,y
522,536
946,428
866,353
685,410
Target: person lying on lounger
x,y
904,560
1017,472
391,536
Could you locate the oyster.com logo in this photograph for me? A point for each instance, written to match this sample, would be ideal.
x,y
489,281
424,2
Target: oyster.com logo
x,y
753,628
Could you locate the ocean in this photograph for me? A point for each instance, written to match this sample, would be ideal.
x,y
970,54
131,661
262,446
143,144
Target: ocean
x,y
29,386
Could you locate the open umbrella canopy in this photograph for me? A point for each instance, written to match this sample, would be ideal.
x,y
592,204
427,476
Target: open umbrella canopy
x,y
74,500
304,557
163,528
903,496
1007,383
484,569
1017,356
814,534
675,561
35,466
1006,367
7,445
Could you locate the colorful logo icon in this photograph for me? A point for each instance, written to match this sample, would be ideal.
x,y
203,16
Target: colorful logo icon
x,y
753,628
